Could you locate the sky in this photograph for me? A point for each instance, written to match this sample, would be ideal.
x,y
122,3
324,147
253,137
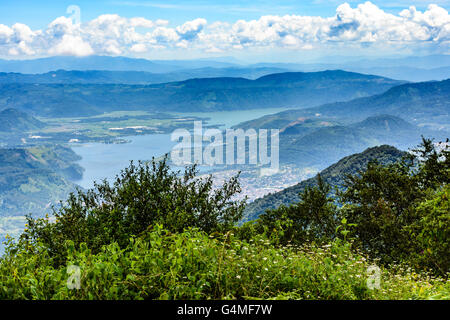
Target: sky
x,y
256,30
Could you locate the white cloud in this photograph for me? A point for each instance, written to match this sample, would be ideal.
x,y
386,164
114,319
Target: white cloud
x,y
138,48
5,34
189,30
365,25
71,45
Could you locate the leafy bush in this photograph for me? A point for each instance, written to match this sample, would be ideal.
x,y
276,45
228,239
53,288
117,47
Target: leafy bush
x,y
314,218
140,197
384,204
193,265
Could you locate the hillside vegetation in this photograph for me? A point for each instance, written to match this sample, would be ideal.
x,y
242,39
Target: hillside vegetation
x,y
334,175
153,234
12,120
35,178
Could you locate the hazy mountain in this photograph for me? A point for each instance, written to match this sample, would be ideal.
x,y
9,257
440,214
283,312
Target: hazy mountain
x,y
132,77
206,94
426,68
333,175
12,120
424,104
384,124
420,103
406,73
328,144
422,62
45,65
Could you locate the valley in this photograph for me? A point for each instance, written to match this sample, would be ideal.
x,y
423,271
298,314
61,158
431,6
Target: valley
x,y
100,133
225,151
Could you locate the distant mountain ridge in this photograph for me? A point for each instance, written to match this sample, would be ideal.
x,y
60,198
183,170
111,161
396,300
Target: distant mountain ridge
x,y
413,102
421,104
132,77
414,68
205,94
329,143
43,65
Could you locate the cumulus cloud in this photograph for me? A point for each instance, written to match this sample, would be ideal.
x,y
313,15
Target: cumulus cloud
x,y
191,29
362,26
71,45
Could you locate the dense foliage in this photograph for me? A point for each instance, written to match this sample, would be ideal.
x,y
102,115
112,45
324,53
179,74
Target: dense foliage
x,y
395,213
140,197
31,178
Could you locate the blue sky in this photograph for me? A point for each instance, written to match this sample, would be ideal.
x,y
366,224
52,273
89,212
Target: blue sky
x,y
37,14
261,29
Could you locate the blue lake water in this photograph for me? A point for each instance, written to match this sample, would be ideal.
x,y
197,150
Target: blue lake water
x,y
102,161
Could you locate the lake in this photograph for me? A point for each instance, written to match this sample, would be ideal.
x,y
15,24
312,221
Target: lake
x,y
102,161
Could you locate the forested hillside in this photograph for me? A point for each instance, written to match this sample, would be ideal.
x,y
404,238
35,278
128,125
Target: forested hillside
x,y
334,175
33,179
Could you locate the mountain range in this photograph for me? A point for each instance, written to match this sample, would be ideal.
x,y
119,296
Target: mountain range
x,y
415,68
425,104
295,89
12,120
134,77
44,65
314,142
328,144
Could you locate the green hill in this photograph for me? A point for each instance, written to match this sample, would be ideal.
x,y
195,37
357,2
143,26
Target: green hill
x,y
12,120
333,175
33,179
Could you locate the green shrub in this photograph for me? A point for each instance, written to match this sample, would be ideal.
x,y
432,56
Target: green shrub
x,y
384,204
314,218
193,265
140,197
431,233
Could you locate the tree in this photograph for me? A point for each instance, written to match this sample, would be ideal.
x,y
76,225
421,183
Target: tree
x,y
382,200
314,218
140,197
431,233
